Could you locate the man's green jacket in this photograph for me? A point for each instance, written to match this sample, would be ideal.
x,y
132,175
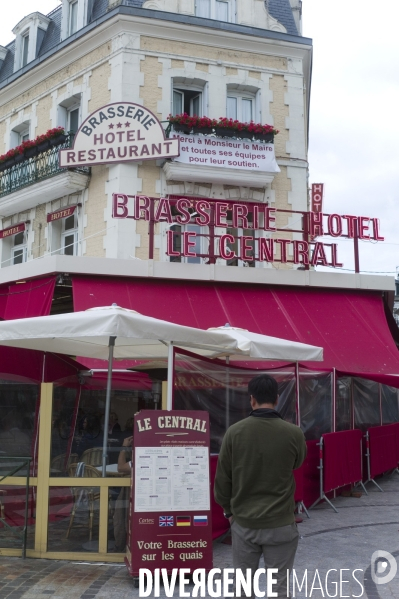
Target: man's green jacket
x,y
254,477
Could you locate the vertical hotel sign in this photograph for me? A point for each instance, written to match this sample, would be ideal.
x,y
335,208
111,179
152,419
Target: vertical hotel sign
x,y
170,511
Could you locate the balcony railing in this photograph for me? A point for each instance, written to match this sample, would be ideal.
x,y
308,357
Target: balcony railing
x,y
35,169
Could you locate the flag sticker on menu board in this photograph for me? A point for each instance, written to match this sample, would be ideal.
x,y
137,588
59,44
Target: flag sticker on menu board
x,y
183,520
200,521
165,520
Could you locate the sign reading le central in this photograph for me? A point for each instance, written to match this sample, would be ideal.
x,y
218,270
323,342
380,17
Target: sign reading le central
x,y
170,522
119,132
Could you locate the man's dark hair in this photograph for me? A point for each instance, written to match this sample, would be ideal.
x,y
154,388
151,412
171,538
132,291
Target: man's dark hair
x,y
264,389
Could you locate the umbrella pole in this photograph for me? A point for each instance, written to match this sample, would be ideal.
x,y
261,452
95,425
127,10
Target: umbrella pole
x,y
108,403
227,393
169,398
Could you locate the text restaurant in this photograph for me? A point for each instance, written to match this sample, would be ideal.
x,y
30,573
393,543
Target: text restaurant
x,y
58,498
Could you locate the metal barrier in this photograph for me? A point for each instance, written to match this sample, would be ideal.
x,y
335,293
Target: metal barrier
x,y
21,462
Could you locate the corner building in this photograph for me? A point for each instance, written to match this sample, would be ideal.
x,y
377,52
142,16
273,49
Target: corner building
x,y
61,248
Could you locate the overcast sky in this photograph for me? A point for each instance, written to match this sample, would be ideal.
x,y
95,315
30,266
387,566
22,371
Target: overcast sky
x,y
354,124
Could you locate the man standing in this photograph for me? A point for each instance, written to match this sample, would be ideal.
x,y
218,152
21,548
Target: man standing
x,y
255,484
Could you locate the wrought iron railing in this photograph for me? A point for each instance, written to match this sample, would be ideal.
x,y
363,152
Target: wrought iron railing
x,y
35,169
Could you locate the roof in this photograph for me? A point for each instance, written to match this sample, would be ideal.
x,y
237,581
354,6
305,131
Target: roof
x,y
279,9
282,11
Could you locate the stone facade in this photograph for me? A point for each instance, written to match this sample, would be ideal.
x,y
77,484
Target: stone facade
x,y
141,60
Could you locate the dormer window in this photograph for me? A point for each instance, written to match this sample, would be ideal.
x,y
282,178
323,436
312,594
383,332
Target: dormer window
x,y
73,17
29,35
220,10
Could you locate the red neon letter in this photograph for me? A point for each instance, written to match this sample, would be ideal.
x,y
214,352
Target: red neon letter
x,y
142,203
363,227
187,244
170,251
334,224
316,224
301,249
319,255
351,224
240,214
266,249
245,248
119,205
334,255
163,212
376,232
204,218
225,251
221,212
184,216
270,219
283,251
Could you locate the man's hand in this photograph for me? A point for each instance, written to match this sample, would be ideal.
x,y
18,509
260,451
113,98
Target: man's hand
x,y
231,520
127,442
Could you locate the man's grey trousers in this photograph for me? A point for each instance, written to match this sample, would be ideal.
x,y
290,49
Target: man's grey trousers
x,y
278,546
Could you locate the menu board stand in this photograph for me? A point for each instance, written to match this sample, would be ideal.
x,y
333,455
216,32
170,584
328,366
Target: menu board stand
x,y
170,522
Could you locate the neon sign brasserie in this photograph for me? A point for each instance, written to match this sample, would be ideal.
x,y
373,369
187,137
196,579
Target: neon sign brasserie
x,y
256,226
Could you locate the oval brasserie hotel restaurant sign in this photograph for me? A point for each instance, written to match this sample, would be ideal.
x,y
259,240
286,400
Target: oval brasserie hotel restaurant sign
x,y
119,132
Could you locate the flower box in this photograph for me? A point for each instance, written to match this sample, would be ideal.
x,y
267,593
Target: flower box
x,y
30,148
222,127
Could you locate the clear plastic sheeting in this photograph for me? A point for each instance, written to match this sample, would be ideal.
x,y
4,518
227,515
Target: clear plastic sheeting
x,y
222,391
315,401
366,401
343,405
389,404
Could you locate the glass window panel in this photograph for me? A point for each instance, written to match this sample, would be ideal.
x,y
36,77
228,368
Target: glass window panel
x,y
12,509
366,401
118,519
73,17
74,516
25,50
69,222
18,256
246,109
203,8
195,108
18,407
231,107
73,124
315,399
222,10
19,238
69,245
177,102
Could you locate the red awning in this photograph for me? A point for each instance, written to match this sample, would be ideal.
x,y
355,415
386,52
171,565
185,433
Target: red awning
x,y
350,325
30,298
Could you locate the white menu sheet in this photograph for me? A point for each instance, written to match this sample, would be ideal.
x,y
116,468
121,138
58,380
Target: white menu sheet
x,y
171,478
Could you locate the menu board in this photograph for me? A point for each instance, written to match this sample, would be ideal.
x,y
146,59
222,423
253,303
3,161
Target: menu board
x,y
170,517
173,478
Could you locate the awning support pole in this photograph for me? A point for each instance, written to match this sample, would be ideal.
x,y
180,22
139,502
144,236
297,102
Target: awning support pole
x,y
108,403
169,398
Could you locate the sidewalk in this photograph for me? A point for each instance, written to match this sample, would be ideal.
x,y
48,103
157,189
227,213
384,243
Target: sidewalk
x,y
345,540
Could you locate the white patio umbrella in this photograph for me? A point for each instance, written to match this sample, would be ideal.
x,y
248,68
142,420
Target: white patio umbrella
x,y
263,347
114,332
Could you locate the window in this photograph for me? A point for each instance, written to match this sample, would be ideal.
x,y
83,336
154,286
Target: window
x,y
188,101
240,107
25,49
19,248
68,113
220,10
73,17
24,136
69,236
